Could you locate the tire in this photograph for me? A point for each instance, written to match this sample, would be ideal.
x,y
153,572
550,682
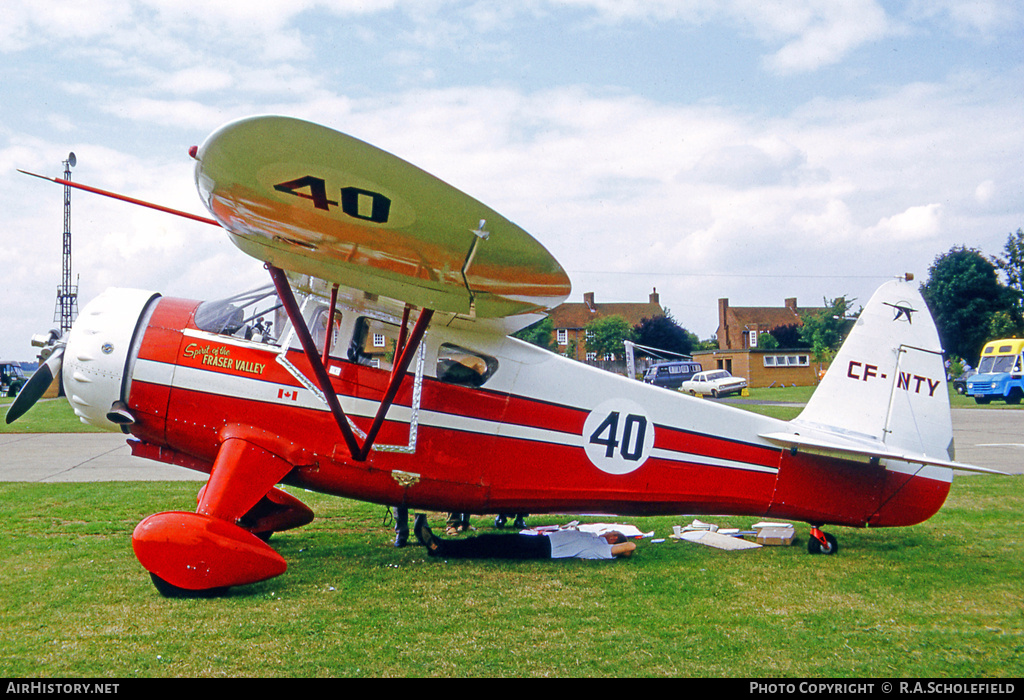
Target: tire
x,y
814,546
1014,398
169,590
714,393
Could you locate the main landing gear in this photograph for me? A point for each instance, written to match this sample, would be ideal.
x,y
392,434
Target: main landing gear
x,y
223,543
821,542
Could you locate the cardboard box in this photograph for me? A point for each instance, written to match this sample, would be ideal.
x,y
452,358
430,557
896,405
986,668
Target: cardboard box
x,y
775,536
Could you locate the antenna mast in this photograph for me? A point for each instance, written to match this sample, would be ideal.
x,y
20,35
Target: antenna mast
x,y
67,294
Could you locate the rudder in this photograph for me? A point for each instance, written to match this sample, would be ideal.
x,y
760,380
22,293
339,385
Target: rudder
x,y
887,383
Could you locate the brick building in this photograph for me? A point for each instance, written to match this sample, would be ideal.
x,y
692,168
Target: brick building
x,y
569,321
739,332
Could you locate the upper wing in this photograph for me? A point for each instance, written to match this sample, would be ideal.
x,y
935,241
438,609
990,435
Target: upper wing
x,y
315,201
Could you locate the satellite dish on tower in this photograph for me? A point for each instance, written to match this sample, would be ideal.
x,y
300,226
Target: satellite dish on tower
x,y
72,161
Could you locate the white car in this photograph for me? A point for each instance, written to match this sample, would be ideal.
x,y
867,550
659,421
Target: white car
x,y
717,382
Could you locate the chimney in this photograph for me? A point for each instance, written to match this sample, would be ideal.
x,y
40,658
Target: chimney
x,y
791,304
655,299
588,299
723,325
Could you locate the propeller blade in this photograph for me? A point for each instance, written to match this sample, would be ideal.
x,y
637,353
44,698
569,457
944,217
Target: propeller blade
x,y
36,386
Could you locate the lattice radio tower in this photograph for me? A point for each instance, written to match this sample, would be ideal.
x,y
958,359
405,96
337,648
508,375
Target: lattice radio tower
x,y
67,294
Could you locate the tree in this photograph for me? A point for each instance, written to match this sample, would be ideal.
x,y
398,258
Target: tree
x,y
539,334
824,331
1013,264
964,295
663,333
788,336
605,335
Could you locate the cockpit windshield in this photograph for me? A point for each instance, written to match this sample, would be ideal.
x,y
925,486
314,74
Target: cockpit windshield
x,y
255,315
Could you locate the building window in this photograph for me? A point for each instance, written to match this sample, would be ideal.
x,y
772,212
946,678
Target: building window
x,y
378,340
753,339
591,357
787,360
563,336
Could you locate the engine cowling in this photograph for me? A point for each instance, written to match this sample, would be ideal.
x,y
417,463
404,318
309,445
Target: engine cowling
x,y
101,348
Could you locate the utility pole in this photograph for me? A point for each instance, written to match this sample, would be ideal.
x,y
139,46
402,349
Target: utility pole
x,y
67,294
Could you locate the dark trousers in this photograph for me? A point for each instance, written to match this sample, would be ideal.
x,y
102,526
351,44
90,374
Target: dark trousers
x,y
493,546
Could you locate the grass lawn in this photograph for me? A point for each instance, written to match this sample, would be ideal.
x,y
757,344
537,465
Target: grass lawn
x,y
939,599
47,416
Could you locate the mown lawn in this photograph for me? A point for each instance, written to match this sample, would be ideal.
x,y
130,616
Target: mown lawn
x,y
939,599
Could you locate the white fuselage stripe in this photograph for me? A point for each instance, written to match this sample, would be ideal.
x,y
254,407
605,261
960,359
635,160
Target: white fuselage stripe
x,y
250,388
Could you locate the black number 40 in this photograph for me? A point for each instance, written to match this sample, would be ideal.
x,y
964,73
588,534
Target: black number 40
x,y
631,443
316,190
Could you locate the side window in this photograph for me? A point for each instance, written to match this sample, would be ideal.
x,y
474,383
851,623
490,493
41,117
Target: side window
x,y
374,343
318,328
457,365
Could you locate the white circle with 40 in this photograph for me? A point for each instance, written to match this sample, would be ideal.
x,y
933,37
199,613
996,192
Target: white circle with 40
x,y
618,436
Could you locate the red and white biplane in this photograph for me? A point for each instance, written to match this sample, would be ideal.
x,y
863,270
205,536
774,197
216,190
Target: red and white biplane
x,y
378,366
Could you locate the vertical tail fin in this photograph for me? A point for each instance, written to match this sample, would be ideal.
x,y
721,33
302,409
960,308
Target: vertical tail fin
x,y
887,384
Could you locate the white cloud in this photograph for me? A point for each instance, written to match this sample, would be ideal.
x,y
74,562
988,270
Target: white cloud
x,y
627,191
984,192
916,223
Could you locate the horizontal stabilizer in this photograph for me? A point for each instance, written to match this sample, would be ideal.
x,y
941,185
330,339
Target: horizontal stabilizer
x,y
845,449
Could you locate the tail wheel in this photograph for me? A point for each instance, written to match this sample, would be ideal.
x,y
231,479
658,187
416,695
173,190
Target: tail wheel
x,y
822,542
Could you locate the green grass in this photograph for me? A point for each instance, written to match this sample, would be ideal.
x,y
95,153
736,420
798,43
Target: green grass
x,y
942,599
47,416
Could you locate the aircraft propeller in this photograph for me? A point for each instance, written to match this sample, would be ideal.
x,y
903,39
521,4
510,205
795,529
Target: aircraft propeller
x,y
53,352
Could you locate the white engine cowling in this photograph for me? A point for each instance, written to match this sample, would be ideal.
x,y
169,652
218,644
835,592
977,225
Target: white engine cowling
x,y
101,346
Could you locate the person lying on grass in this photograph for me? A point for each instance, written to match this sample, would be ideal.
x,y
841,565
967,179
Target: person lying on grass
x,y
561,544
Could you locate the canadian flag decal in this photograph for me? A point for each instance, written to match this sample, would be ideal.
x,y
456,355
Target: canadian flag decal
x,y
282,394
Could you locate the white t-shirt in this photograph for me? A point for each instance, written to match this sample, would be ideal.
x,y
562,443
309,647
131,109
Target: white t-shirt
x,y
582,545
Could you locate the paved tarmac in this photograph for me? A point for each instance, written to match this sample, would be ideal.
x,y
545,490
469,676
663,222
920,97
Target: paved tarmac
x,y
986,438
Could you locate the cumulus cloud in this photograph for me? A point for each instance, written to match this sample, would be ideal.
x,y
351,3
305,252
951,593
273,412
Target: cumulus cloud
x,y
626,190
916,223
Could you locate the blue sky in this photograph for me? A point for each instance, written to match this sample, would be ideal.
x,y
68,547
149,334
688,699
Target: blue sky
x,y
750,149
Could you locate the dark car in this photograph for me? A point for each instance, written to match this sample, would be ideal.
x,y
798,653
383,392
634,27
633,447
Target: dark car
x,y
12,378
671,374
960,383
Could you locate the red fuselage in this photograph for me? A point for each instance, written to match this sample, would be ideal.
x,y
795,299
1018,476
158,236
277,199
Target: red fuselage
x,y
487,450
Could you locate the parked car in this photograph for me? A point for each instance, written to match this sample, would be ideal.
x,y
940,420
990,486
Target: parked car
x,y
12,378
960,383
717,382
671,374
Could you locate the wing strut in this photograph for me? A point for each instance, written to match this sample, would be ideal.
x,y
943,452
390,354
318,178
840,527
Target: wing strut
x,y
404,353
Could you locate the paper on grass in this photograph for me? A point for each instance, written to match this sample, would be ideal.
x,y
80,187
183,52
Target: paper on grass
x,y
718,541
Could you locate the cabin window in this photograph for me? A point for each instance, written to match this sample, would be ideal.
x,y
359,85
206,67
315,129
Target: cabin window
x,y
318,329
563,336
255,315
458,365
374,343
